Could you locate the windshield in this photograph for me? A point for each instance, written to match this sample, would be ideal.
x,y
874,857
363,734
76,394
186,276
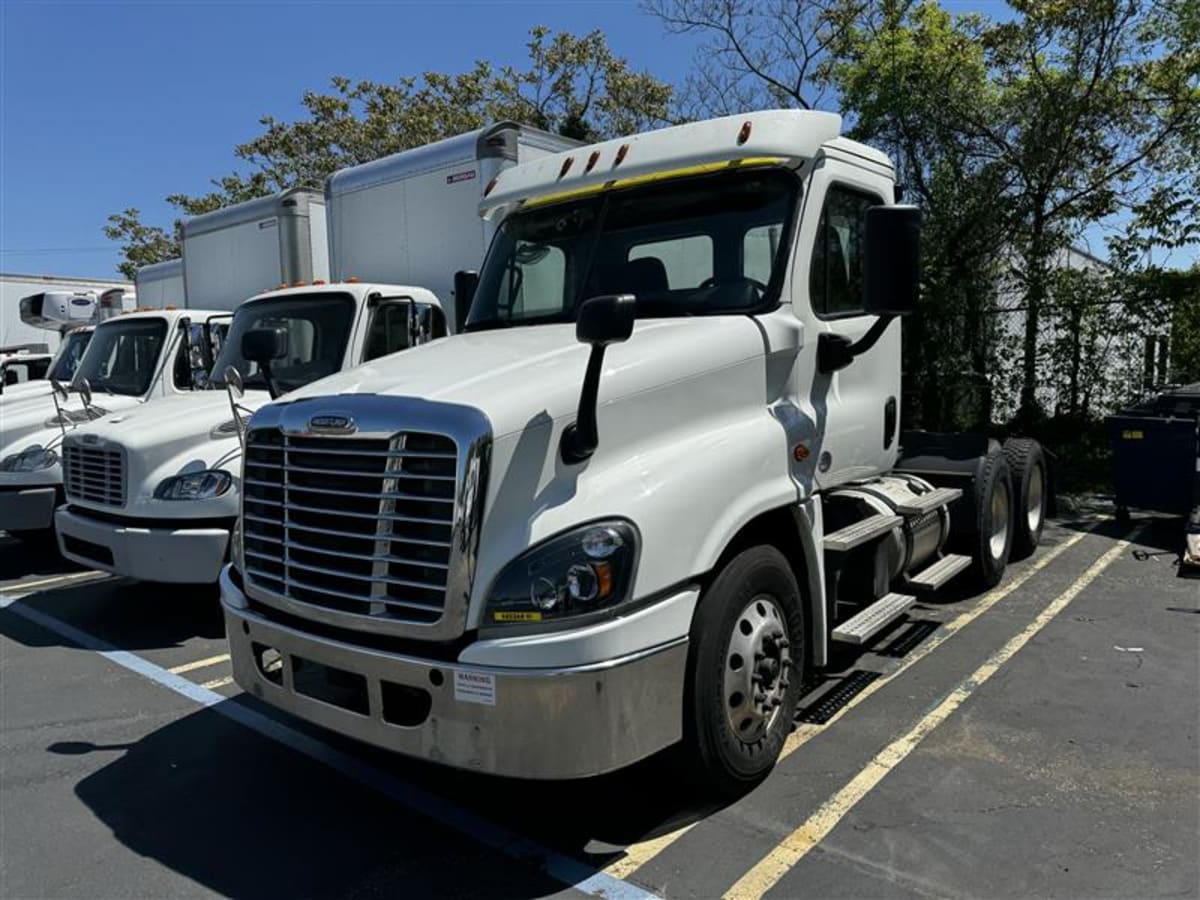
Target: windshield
x,y
696,246
123,355
318,328
69,354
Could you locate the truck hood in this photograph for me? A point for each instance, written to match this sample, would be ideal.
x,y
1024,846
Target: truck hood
x,y
171,425
24,423
516,375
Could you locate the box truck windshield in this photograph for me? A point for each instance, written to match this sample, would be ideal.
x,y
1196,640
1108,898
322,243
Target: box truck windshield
x,y
317,327
705,245
70,352
123,358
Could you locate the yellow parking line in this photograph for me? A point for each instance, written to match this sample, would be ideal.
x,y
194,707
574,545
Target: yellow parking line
x,y
199,664
772,867
27,586
637,855
217,682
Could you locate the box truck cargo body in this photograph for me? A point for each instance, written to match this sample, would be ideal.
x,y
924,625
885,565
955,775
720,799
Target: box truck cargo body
x,y
161,284
389,218
234,253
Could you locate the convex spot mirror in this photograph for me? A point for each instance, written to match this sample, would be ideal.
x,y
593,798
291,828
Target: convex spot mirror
x,y
892,263
605,320
233,381
265,345
59,389
85,391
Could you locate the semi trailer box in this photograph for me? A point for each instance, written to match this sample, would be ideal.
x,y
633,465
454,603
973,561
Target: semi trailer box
x,y
161,284
242,250
388,218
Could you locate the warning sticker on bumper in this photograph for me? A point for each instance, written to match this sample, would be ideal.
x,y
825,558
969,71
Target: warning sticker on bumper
x,y
475,687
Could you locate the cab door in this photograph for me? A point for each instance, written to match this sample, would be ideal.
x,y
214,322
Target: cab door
x,y
856,407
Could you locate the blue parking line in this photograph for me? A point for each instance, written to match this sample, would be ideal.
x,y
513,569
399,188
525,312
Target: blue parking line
x,y
561,867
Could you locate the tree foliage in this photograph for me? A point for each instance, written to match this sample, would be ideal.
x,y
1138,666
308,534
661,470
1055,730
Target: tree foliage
x,y
571,84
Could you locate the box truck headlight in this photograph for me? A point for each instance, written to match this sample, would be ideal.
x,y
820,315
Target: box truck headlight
x,y
194,486
584,571
29,460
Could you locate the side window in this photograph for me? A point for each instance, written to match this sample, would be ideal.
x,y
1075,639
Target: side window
x,y
687,262
836,277
388,331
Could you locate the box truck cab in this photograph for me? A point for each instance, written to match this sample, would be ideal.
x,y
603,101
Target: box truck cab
x,y
635,502
129,359
408,219
175,463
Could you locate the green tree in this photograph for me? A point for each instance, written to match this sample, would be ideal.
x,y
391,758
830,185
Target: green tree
x,y
572,85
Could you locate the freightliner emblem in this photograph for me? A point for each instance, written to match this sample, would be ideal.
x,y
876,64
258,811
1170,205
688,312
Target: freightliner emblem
x,y
331,424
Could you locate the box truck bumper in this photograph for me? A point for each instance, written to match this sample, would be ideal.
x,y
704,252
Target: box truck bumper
x,y
27,509
524,723
169,554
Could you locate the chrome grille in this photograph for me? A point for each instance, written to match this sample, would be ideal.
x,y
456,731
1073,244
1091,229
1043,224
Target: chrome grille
x,y
361,526
94,474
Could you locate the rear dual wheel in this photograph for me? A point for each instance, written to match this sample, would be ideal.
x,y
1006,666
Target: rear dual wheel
x,y
992,540
1027,465
744,673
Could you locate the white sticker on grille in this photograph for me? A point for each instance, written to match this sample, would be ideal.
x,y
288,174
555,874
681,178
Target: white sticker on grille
x,y
475,687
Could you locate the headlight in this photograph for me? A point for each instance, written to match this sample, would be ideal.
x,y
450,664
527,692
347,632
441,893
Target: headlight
x,y
29,460
194,486
583,571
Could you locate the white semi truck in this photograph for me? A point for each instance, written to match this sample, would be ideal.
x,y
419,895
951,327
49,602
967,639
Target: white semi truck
x,y
408,219
637,500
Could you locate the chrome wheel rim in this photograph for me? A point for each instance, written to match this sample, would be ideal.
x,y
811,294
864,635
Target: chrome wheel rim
x,y
757,667
1035,500
999,537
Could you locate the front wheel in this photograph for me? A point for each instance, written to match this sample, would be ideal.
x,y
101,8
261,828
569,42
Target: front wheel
x,y
745,668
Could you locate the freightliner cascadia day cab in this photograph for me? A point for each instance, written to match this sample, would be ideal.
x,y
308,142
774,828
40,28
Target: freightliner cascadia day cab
x,y
408,219
161,284
635,502
129,359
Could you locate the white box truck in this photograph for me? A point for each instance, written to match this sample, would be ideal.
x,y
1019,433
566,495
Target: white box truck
x,y
161,284
180,458
638,499
242,250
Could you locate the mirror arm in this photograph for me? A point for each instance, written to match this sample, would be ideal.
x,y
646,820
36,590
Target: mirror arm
x,y
836,351
580,439
272,387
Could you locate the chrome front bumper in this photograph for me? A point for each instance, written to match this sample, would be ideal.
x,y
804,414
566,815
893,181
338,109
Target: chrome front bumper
x,y
524,723
174,555
28,509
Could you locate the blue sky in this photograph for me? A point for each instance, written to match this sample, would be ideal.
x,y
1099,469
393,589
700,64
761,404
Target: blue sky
x,y
106,105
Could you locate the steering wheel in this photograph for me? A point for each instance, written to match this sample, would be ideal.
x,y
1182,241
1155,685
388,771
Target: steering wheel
x,y
711,281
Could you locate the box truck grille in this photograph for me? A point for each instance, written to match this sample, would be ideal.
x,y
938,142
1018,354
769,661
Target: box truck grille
x,y
93,474
360,526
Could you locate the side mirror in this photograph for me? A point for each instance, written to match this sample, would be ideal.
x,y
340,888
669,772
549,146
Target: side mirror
x,y
465,284
892,260
603,320
265,345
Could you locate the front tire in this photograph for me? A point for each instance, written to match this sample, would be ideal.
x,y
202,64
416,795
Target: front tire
x,y
745,668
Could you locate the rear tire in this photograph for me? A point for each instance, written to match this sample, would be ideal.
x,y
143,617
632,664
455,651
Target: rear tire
x,y
1027,466
745,668
991,544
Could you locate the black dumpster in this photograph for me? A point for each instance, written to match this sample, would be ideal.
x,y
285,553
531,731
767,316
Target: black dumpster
x,y
1156,453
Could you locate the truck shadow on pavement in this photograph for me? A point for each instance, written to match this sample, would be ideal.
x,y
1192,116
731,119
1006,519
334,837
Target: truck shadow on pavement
x,y
40,557
128,615
244,815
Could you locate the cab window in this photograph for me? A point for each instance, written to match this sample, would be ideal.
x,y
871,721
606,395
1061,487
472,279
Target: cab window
x,y
836,275
389,331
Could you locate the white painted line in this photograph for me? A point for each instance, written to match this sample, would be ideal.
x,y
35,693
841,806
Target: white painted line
x,y
780,860
559,866
637,855
198,664
28,587
217,683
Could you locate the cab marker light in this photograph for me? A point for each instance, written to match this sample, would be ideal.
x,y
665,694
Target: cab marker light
x,y
592,160
744,134
622,150
566,166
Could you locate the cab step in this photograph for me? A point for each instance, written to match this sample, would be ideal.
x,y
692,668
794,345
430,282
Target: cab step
x,y
934,576
860,628
860,532
928,502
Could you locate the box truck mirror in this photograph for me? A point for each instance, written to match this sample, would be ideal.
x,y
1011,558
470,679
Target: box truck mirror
x,y
602,321
264,346
891,268
465,283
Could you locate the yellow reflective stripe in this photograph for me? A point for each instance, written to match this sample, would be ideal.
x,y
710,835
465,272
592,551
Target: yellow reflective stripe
x,y
635,180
